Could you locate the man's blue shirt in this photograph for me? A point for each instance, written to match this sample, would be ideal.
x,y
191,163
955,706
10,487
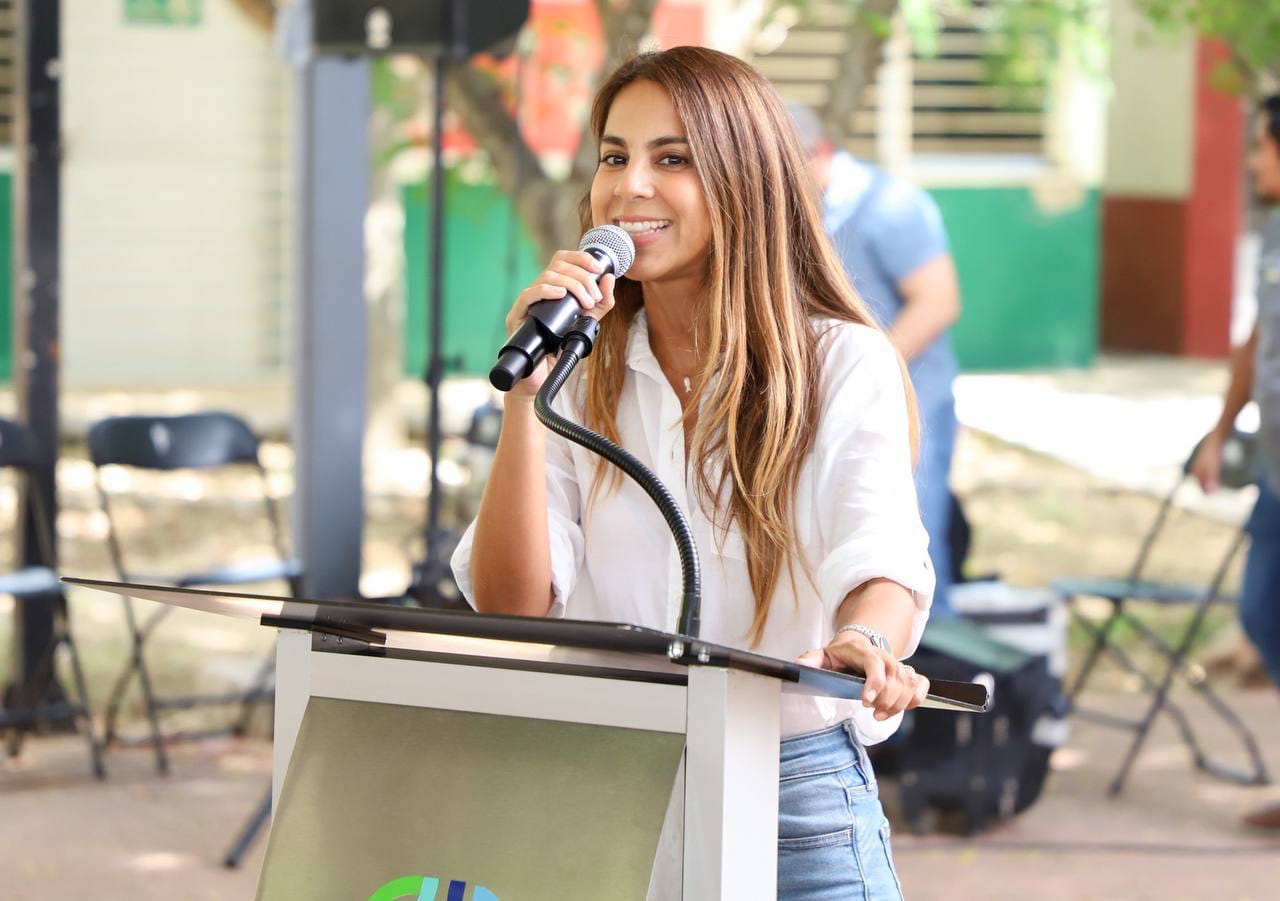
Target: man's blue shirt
x,y
884,228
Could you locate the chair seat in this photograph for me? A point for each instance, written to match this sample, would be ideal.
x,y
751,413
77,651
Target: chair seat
x,y
1126,590
30,580
244,573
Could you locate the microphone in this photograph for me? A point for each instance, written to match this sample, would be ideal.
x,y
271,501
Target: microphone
x,y
550,320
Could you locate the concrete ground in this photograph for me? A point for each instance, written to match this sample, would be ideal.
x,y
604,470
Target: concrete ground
x,y
1173,834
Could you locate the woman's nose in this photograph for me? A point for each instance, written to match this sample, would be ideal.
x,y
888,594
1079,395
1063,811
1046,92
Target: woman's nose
x,y
636,181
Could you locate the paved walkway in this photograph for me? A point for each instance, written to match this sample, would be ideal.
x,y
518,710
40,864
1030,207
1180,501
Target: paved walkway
x,y
1128,420
1174,834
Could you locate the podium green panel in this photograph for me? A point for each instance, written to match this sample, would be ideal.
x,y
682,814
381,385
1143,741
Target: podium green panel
x,y
392,802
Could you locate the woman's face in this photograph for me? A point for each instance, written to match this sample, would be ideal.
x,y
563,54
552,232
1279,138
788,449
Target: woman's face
x,y
646,184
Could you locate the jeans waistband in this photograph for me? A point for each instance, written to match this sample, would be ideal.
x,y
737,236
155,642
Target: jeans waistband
x,y
828,749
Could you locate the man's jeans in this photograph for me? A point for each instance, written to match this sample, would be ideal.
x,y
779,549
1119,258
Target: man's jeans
x,y
933,490
1260,596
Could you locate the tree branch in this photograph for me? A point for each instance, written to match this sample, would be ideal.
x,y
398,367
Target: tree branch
x,y
857,67
623,30
475,97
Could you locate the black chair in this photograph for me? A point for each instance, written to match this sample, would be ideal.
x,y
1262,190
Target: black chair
x,y
1239,470
201,441
34,698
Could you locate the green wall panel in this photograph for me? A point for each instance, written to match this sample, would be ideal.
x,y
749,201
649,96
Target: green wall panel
x,y
488,259
1029,278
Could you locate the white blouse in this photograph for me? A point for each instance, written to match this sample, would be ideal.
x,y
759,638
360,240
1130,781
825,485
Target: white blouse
x,y
856,519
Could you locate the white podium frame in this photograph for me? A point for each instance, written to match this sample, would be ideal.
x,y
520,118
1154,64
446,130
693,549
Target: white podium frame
x,y
729,719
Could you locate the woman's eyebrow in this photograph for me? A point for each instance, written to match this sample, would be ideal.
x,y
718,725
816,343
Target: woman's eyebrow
x,y
656,142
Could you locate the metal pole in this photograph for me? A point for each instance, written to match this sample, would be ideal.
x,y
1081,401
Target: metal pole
x,y
36,288
435,362
330,350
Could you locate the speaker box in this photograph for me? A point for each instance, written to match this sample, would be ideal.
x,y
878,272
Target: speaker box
x,y
457,28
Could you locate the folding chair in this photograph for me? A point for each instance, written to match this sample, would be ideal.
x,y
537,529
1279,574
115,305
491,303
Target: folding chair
x,y
1238,471
42,605
201,441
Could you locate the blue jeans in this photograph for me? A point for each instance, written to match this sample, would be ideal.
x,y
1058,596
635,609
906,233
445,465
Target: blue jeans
x,y
933,491
1260,594
833,838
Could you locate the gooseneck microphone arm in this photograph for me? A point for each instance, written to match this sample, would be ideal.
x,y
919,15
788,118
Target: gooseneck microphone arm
x,y
577,345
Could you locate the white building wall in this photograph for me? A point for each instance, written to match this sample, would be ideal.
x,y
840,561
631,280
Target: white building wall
x,y
1151,118
175,201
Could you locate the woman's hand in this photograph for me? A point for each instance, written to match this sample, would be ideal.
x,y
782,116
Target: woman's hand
x,y
569,272
891,685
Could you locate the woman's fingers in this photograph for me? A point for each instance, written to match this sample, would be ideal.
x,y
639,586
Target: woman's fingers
x,y
897,692
921,692
584,290
873,669
606,301
528,297
890,686
815,657
580,266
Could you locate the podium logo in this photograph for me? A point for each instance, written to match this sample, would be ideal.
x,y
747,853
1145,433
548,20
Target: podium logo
x,y
427,888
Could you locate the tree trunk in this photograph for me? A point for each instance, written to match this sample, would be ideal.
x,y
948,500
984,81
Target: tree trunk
x,y
549,207
863,54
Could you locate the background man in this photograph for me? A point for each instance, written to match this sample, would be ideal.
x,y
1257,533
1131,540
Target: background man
x,y
890,236
1255,373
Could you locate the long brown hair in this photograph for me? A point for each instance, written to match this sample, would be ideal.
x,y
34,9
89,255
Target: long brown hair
x,y
771,274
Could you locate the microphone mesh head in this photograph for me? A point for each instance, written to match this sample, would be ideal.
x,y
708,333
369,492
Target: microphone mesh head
x,y
613,241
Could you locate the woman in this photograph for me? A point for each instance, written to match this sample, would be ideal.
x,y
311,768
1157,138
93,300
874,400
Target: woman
x,y
735,361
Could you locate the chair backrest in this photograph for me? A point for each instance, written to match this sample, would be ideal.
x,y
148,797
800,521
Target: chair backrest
x,y
193,441
1239,460
17,447
18,451
486,426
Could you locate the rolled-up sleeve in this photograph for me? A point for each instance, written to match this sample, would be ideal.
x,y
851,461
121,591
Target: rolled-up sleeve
x,y
865,496
563,529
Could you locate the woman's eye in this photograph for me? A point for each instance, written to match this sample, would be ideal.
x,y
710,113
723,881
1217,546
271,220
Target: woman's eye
x,y
613,159
673,159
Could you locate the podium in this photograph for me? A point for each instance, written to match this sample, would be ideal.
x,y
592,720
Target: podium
x,y
425,754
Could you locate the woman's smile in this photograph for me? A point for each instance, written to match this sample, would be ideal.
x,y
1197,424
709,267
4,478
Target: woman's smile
x,y
644,231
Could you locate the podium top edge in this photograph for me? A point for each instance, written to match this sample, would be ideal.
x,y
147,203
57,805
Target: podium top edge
x,y
584,634
373,614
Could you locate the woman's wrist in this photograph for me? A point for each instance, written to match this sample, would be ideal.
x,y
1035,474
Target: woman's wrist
x,y
876,639
517,404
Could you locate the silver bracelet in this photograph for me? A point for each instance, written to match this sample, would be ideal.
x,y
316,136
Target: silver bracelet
x,y
876,639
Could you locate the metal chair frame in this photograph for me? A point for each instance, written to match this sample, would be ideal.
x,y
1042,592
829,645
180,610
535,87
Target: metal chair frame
x,y
242,450
28,712
1238,472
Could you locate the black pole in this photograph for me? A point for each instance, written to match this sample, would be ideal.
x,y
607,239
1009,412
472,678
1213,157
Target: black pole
x,y
433,583
433,577
435,360
36,209
36,294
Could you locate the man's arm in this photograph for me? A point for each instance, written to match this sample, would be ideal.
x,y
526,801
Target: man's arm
x,y
1207,466
1240,391
931,303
